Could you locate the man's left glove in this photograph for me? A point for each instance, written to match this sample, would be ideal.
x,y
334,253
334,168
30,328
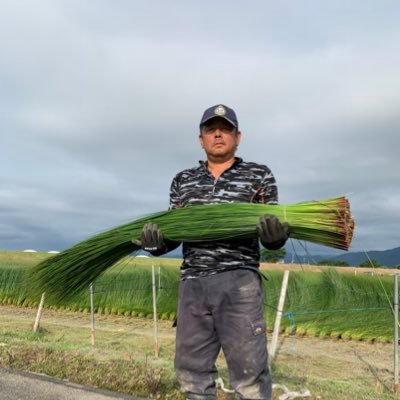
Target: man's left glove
x,y
152,240
272,233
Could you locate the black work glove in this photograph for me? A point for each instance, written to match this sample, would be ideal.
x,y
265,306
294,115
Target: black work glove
x,y
272,233
152,240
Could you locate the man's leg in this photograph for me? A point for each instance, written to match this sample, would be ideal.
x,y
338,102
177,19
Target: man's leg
x,y
241,330
197,345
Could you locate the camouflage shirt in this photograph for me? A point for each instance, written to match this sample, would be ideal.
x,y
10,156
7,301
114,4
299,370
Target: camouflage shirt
x,y
242,182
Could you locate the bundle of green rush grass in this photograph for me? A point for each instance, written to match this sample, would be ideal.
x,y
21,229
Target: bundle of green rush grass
x,y
327,222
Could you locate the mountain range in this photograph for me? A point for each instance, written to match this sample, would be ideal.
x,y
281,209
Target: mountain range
x,y
389,258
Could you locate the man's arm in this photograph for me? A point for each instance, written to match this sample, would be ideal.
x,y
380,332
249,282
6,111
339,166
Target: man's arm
x,y
272,233
268,189
152,239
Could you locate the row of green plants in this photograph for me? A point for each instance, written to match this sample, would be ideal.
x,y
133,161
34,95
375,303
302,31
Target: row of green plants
x,y
125,289
329,303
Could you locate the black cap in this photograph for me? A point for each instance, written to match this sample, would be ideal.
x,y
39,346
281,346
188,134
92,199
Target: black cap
x,y
220,111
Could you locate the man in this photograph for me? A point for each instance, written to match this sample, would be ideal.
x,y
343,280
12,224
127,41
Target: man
x,y
220,296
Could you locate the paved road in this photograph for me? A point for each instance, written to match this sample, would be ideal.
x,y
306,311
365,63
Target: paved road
x,y
17,385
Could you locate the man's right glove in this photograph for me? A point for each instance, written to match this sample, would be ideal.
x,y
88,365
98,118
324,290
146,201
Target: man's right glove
x,y
152,240
272,233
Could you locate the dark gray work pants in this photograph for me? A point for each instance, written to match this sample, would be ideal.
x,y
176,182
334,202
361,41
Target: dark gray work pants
x,y
222,310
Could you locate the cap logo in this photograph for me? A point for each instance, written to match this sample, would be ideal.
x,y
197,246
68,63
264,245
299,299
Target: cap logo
x,y
220,110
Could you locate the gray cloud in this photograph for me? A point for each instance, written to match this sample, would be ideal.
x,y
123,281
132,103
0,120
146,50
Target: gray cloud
x,y
100,106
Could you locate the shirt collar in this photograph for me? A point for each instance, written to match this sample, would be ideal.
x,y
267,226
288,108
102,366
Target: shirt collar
x,y
237,161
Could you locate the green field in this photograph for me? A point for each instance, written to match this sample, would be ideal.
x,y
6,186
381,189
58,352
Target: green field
x,y
328,304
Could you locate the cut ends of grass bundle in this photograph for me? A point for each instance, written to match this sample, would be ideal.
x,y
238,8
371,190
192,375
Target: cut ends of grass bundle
x,y
327,222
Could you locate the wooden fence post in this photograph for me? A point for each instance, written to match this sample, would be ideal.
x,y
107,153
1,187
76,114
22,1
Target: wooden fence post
x,y
92,313
153,280
39,313
396,333
278,317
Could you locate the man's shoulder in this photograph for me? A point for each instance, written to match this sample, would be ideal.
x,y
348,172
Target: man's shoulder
x,y
188,172
254,167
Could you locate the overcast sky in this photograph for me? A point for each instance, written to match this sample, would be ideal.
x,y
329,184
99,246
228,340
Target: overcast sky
x,y
100,103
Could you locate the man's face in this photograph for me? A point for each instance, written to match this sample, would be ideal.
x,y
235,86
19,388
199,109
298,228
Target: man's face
x,y
219,139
